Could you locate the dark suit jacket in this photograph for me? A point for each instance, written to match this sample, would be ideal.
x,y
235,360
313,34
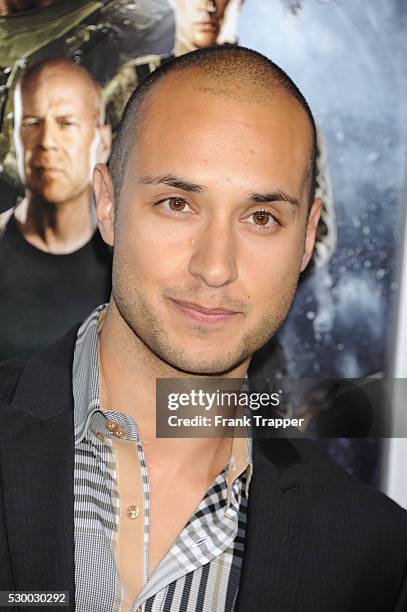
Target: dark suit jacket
x,y
317,539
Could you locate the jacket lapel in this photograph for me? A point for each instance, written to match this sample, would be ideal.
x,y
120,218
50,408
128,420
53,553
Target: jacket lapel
x,y
276,528
37,473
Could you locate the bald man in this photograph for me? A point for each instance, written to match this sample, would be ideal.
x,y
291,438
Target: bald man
x,y
210,207
54,266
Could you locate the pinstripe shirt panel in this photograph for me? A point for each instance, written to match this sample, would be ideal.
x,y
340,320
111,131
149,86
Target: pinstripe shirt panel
x,y
201,571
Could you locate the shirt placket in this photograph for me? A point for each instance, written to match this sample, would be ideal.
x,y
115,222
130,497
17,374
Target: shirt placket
x,y
133,506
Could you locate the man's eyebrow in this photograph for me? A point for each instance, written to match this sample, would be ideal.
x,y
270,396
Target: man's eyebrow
x,y
274,196
172,181
68,115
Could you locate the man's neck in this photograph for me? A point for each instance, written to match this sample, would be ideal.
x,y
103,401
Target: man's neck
x,y
15,7
56,228
128,373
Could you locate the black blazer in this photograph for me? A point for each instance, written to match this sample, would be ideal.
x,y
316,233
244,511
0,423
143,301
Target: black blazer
x,y
317,539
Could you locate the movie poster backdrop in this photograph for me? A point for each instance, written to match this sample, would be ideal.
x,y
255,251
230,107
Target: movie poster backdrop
x,y
348,58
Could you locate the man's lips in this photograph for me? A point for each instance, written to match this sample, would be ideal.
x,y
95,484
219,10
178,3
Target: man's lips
x,y
47,169
202,313
207,25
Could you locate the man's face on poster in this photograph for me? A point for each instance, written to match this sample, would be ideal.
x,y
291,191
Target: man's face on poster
x,y
199,21
57,136
212,227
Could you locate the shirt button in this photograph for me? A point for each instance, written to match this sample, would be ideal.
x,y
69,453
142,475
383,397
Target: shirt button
x,y
133,512
99,435
118,432
111,425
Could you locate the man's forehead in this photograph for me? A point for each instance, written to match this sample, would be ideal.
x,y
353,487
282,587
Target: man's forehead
x,y
212,134
53,82
197,103
187,87
74,97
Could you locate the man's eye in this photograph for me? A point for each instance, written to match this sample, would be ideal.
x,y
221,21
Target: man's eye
x,y
262,218
30,123
175,205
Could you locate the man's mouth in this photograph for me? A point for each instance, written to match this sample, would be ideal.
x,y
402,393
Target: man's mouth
x,y
206,26
47,169
204,314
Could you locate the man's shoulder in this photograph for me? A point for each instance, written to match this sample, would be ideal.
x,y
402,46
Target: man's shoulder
x,y
331,492
334,490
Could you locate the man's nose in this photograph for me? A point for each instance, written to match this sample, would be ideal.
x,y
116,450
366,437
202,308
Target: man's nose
x,y
48,135
213,257
207,5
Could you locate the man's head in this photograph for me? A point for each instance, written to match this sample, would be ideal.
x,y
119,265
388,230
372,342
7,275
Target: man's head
x,y
59,130
213,171
200,23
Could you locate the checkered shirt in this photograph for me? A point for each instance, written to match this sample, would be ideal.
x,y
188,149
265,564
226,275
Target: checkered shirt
x,y
201,571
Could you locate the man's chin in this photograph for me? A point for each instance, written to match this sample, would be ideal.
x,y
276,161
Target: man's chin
x,y
52,196
204,364
201,41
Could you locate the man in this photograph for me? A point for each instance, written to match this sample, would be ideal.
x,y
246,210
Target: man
x,y
211,214
101,35
54,266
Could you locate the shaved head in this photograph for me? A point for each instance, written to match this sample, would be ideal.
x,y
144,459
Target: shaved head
x,y
230,71
71,72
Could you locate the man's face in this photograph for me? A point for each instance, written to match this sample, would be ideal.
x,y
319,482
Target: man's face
x,y
207,247
56,135
199,21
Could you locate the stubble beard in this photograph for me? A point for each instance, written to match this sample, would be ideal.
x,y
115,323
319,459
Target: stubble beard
x,y
148,327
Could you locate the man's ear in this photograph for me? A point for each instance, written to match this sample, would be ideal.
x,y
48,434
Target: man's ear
x,y
312,224
104,144
104,199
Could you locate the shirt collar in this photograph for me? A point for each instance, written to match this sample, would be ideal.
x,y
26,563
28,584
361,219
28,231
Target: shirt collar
x,y
85,373
240,461
85,376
